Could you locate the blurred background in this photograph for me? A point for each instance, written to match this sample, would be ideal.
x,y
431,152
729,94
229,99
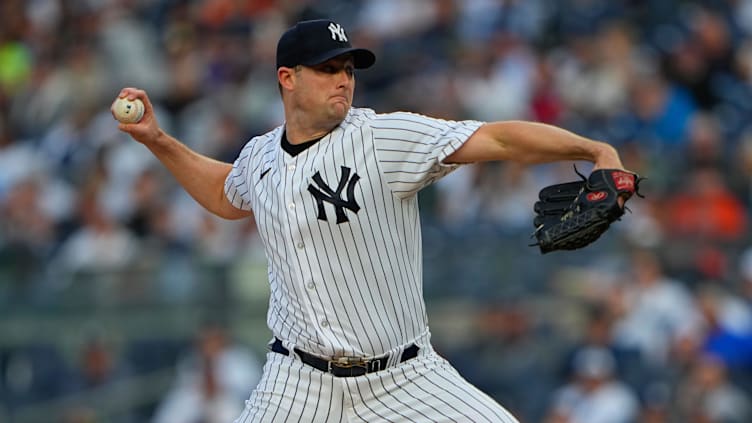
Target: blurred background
x,y
122,301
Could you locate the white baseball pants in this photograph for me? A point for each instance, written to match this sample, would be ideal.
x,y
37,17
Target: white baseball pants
x,y
424,389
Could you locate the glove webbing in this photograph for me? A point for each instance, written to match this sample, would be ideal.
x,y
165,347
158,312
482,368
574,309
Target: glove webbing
x,y
569,233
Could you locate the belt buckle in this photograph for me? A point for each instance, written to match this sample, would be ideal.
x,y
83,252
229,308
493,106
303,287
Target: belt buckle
x,y
349,362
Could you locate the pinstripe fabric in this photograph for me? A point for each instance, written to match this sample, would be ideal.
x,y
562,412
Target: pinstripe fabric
x,y
290,391
424,389
342,235
427,389
352,288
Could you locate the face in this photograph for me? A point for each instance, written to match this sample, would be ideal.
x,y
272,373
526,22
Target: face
x,y
325,91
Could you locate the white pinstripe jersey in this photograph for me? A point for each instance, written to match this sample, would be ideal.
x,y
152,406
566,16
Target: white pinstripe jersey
x,y
341,228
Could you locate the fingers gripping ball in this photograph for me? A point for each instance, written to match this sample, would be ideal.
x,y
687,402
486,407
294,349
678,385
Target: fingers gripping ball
x,y
128,111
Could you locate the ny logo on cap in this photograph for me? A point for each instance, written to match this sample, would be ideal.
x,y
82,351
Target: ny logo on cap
x,y
337,32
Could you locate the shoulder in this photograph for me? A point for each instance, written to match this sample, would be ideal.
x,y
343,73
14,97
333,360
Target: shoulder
x,y
411,121
259,147
366,115
264,141
270,137
403,117
358,117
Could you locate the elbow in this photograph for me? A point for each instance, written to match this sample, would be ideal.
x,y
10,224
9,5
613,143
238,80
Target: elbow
x,y
230,212
223,208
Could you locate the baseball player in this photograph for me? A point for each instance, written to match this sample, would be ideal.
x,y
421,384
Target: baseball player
x,y
333,191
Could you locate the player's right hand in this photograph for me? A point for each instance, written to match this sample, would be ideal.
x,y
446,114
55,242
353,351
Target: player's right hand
x,y
146,130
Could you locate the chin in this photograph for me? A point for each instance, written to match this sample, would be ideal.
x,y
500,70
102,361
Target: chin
x,y
340,111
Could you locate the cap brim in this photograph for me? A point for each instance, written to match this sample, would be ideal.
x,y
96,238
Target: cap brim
x,y
362,58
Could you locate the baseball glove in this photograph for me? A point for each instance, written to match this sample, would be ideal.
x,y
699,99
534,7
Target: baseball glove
x,y
574,214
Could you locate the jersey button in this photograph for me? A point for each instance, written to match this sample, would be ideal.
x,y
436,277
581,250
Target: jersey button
x,y
291,206
301,245
324,323
310,285
291,167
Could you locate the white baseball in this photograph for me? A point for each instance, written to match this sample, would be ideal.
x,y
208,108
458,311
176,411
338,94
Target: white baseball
x,y
128,111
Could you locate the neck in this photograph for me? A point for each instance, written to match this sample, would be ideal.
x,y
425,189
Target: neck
x,y
302,127
298,135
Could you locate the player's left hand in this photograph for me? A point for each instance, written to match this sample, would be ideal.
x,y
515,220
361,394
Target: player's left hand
x,y
572,215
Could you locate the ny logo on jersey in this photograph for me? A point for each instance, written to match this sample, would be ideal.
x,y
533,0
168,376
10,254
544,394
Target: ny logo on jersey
x,y
325,193
337,32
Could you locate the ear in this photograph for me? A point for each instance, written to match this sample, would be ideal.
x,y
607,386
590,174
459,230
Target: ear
x,y
286,77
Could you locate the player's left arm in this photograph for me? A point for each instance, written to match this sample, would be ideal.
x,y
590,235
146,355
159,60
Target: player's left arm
x,y
533,143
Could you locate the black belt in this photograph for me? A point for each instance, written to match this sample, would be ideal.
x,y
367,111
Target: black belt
x,y
345,366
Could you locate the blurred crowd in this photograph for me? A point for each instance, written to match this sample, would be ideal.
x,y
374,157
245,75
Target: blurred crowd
x,y
653,323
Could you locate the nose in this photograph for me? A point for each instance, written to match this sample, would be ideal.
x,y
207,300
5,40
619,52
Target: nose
x,y
345,78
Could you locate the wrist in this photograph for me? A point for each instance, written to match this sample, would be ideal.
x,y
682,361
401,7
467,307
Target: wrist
x,y
160,142
161,139
606,157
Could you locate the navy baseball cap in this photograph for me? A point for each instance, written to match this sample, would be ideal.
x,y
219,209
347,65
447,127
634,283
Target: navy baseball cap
x,y
312,42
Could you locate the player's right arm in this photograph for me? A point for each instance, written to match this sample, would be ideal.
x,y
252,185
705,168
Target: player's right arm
x,y
201,176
